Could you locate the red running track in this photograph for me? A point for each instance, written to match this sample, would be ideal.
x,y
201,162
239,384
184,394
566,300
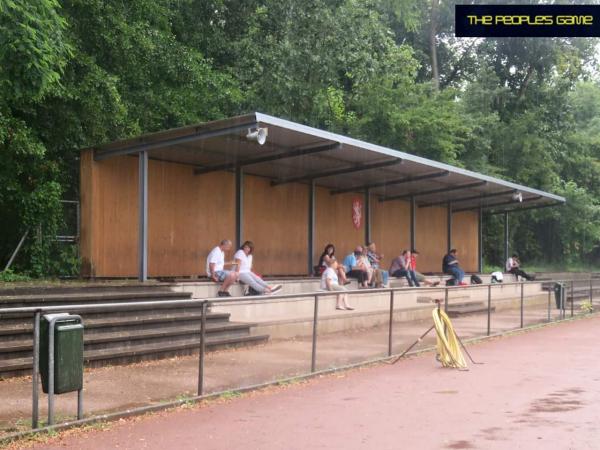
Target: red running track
x,y
539,389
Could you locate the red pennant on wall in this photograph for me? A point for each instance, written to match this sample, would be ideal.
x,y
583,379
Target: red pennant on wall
x,y
357,212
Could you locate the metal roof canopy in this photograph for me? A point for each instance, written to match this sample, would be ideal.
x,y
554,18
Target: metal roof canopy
x,y
298,153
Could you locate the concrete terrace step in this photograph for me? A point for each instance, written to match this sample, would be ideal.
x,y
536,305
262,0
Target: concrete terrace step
x,y
7,301
111,323
83,287
135,353
230,328
467,308
119,336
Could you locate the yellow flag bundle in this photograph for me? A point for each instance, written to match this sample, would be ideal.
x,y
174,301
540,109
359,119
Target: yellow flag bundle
x,y
448,346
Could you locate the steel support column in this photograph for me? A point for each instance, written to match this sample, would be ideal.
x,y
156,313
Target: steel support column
x,y
449,223
505,238
480,241
239,206
413,223
367,216
143,216
311,226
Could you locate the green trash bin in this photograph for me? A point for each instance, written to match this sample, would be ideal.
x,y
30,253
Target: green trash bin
x,y
68,353
559,295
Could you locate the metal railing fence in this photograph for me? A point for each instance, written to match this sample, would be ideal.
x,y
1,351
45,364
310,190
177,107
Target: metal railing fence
x,y
206,303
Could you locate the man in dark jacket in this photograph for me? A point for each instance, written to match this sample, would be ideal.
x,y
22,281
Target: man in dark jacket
x,y
451,267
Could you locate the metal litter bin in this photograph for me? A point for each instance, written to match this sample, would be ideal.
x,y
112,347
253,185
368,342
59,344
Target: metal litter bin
x,y
68,352
559,295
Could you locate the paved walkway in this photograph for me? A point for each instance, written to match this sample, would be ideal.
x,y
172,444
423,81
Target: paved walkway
x,y
538,389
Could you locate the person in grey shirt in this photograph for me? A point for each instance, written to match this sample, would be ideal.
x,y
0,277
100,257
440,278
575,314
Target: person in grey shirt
x,y
402,267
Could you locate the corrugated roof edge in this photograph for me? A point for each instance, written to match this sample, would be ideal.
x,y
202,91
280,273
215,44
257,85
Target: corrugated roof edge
x,y
275,121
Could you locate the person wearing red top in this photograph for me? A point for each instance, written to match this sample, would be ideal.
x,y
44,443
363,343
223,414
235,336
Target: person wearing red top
x,y
420,277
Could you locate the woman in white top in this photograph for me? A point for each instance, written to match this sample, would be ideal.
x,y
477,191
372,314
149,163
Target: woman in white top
x,y
329,282
243,261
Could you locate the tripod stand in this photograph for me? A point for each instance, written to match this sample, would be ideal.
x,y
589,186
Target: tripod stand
x,y
420,338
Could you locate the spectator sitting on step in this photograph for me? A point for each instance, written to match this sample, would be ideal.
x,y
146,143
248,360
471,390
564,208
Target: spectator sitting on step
x,y
215,264
420,277
327,256
355,267
329,282
402,267
243,260
451,266
375,261
513,265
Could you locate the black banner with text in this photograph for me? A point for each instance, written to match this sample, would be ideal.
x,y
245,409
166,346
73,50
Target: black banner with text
x,y
527,20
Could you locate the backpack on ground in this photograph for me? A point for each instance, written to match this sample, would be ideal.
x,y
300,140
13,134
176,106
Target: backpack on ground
x,y
451,282
497,277
476,280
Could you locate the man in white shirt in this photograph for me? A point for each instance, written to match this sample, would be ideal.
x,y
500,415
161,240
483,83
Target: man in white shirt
x,y
215,268
513,265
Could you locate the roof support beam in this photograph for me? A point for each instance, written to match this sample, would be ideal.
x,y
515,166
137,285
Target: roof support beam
x,y
311,227
434,191
511,202
143,216
466,199
480,241
506,234
269,158
413,224
135,148
391,182
367,217
449,225
239,206
331,173
546,205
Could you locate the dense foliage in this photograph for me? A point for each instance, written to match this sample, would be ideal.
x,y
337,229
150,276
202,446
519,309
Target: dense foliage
x,y
79,72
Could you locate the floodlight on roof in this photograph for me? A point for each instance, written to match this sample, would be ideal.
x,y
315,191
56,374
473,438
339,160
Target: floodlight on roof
x,y
259,135
517,197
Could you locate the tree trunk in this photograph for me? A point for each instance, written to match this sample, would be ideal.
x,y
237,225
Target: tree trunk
x,y
435,75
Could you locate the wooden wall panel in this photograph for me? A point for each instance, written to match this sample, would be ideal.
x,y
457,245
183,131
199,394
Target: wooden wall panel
x,y
464,239
187,216
115,217
190,214
276,220
431,238
390,228
333,223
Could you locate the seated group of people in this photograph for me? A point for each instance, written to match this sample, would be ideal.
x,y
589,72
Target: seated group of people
x,y
363,264
450,266
241,269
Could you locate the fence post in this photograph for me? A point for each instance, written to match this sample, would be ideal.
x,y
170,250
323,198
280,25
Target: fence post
x,y
391,322
591,294
313,363
521,304
549,301
489,311
446,300
563,301
572,296
36,370
202,348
